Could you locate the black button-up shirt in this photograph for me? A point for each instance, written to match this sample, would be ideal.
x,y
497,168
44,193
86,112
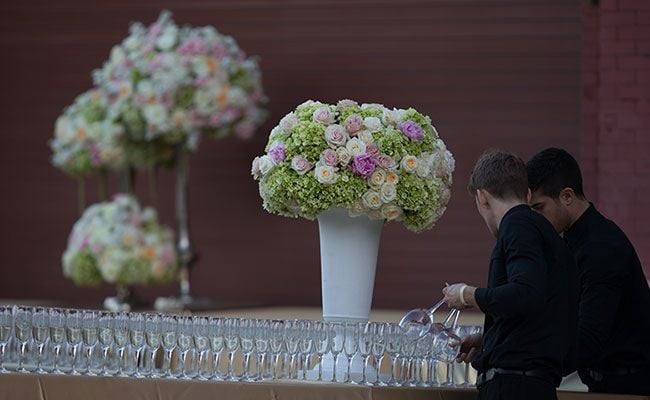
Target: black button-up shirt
x,y
531,302
614,318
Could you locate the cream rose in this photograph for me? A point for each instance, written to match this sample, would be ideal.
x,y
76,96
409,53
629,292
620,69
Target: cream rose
x,y
326,174
371,200
392,177
378,177
409,163
391,212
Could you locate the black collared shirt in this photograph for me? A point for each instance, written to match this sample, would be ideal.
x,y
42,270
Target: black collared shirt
x,y
531,302
614,317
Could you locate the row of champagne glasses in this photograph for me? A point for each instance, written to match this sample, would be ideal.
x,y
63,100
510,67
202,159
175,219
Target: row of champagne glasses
x,y
71,341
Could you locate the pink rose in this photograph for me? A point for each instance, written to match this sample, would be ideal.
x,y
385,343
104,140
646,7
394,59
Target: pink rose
x,y
329,157
372,149
300,164
385,161
353,123
323,115
277,153
336,135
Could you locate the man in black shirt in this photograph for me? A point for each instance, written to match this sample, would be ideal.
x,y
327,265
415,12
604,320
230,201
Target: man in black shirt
x,y
613,353
530,303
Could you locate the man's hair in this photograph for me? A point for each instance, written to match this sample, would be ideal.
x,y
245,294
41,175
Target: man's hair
x,y
500,173
551,170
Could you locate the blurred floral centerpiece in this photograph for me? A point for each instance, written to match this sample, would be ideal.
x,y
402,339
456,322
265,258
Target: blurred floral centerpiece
x,y
170,84
86,140
385,163
119,243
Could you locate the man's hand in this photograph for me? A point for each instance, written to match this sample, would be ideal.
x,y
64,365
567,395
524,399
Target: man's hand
x,y
452,296
470,347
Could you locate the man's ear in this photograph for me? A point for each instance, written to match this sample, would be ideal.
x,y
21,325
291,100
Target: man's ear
x,y
529,195
482,198
567,197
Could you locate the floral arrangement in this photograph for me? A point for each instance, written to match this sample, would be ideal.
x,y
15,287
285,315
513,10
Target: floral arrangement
x,y
173,84
162,86
384,163
85,139
118,242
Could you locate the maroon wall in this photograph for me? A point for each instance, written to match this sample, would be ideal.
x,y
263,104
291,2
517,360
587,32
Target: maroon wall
x,y
500,73
616,115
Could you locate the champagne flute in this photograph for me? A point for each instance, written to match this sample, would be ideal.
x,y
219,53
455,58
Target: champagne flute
x,y
216,345
89,336
321,342
6,329
201,331
105,325
152,330
73,337
169,327
40,332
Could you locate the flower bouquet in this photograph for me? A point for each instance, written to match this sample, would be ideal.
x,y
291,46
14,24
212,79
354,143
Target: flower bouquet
x,y
388,164
168,85
86,138
119,243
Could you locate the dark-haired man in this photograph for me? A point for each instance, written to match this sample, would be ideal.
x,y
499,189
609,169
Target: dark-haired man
x,y
530,302
613,353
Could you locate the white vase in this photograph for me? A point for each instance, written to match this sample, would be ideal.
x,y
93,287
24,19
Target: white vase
x,y
348,253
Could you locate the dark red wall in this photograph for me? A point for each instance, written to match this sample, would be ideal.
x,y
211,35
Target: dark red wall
x,y
616,115
502,73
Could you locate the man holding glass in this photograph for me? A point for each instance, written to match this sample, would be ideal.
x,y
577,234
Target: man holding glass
x,y
530,303
613,355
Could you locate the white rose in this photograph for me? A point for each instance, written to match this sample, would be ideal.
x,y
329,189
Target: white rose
x,y
343,104
409,163
371,200
265,164
355,146
288,122
344,155
389,117
155,114
372,123
423,169
388,192
326,174
168,38
366,136
378,177
391,212
255,168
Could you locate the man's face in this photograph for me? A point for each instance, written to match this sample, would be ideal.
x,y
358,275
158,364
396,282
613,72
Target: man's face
x,y
552,209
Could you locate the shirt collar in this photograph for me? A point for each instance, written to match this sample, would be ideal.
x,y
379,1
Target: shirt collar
x,y
513,210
